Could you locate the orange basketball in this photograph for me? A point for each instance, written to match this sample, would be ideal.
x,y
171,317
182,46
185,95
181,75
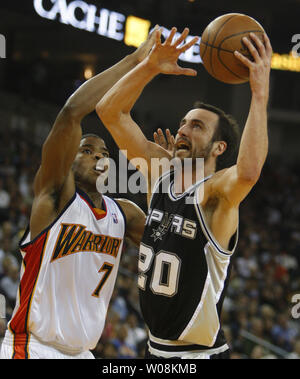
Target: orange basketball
x,y
219,41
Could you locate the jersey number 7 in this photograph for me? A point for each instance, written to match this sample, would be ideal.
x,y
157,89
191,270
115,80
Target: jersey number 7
x,y
107,269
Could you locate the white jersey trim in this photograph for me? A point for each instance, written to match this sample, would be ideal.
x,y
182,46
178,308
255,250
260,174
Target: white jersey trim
x,y
175,197
195,354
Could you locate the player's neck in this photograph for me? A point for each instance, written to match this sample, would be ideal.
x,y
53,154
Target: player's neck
x,y
185,178
96,198
93,194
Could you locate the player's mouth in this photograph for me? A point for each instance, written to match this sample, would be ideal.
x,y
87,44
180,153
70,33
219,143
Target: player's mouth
x,y
100,170
182,145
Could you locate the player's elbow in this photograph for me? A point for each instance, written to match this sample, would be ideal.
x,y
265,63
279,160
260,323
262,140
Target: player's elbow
x,y
71,112
107,114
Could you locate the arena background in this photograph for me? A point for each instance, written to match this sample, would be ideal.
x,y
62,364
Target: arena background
x,y
46,60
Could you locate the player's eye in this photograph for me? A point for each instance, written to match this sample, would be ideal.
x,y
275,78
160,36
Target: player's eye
x,y
87,151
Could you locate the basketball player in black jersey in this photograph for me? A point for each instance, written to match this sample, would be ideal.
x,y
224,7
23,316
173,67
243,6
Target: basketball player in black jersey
x,y
190,235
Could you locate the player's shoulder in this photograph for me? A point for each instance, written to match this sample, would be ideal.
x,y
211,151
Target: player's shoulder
x,y
219,175
130,209
127,204
211,185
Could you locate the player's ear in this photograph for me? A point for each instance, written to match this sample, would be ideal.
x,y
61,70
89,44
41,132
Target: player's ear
x,y
220,147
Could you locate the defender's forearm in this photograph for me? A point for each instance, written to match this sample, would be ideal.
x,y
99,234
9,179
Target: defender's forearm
x,y
254,142
84,100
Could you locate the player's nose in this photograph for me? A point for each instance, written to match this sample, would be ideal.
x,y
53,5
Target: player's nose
x,y
182,131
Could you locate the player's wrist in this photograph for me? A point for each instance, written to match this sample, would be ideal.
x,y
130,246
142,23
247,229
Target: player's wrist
x,y
260,96
150,67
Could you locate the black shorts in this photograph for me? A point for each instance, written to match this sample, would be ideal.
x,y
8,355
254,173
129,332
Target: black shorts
x,y
224,355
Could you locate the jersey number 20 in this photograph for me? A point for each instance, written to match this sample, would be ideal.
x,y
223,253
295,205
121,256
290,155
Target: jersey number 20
x,y
165,274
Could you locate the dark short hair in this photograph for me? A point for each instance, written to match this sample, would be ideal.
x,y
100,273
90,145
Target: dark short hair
x,y
90,135
227,130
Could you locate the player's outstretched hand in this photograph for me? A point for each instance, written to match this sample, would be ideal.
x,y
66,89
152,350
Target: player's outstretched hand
x,y
163,57
144,49
165,141
260,65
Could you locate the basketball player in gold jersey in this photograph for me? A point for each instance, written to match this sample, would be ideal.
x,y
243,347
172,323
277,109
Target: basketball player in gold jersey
x,y
183,321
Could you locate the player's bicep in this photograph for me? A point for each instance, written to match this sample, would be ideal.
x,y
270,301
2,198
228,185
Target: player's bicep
x,y
230,186
58,153
135,218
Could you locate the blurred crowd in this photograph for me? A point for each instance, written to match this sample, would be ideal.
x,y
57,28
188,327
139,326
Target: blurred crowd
x,y
265,274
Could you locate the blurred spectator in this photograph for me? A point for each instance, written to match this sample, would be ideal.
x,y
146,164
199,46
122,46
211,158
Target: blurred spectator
x,y
10,283
118,304
120,342
136,334
283,333
247,263
4,201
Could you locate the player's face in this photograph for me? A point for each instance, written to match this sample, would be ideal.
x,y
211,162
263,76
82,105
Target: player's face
x,y
91,162
195,134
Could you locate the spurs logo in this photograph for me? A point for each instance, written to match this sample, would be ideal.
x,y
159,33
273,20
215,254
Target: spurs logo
x,y
170,222
164,226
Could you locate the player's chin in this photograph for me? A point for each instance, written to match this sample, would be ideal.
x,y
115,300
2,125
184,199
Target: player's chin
x,y
182,154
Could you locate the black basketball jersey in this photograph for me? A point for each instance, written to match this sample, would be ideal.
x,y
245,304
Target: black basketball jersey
x,y
183,271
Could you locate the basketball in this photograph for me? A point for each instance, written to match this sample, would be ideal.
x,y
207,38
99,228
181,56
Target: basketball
x,y
219,41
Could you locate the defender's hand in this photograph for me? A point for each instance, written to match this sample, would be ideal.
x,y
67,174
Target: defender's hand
x,y
144,49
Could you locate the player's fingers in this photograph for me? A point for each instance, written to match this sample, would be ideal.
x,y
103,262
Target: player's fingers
x,y
162,138
169,40
259,45
170,139
152,34
188,45
158,36
182,37
243,59
252,49
155,137
268,45
168,135
151,39
186,71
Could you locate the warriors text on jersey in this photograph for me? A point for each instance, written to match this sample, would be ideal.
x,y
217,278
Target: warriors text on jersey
x,y
68,276
183,272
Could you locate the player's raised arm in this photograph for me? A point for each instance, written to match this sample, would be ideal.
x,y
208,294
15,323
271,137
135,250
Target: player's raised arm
x,y
61,146
236,182
115,107
54,183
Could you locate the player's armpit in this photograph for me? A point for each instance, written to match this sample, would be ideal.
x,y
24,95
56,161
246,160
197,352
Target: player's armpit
x,y
135,220
227,184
